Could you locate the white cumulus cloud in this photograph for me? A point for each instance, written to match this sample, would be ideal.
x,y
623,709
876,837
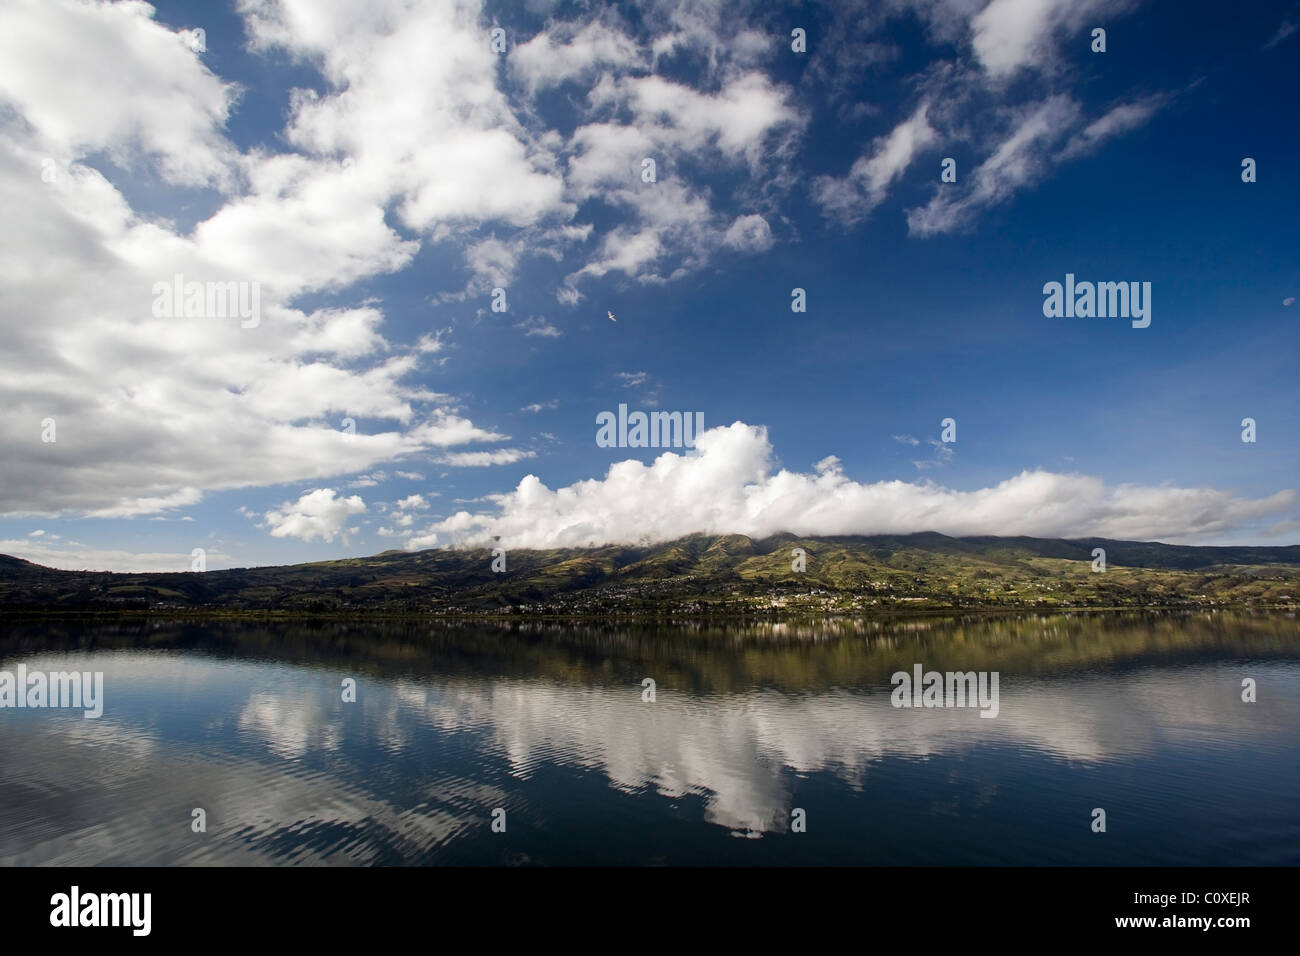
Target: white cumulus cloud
x,y
318,515
734,487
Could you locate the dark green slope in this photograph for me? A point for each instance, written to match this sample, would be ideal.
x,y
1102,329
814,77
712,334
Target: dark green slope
x,y
701,573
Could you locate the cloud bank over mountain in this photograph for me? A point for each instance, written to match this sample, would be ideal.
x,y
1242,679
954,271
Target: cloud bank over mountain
x,y
734,486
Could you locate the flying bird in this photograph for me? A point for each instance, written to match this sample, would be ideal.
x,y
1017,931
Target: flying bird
x,y
611,316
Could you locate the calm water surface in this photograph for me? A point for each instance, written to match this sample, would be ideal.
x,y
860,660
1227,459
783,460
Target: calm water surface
x,y
1140,715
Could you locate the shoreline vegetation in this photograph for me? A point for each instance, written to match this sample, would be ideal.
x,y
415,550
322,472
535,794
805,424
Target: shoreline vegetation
x,y
697,578
648,617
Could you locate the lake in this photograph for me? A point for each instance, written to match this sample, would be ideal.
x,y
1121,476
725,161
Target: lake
x,y
764,743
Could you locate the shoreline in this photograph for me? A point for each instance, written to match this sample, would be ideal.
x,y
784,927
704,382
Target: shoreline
x,y
733,617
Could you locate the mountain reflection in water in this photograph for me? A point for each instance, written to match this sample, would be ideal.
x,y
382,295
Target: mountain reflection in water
x,y
1140,714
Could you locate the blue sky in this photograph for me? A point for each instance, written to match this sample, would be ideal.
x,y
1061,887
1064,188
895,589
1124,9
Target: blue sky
x,y
378,172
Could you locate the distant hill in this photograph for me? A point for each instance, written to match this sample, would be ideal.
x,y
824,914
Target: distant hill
x,y
698,575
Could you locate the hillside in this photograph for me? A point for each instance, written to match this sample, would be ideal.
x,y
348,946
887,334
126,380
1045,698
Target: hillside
x,y
700,574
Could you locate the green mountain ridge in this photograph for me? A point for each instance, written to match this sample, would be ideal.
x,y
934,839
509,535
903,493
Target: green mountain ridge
x,y
698,575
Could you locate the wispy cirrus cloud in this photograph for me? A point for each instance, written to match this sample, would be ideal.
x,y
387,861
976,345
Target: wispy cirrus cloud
x,y
482,459
851,198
